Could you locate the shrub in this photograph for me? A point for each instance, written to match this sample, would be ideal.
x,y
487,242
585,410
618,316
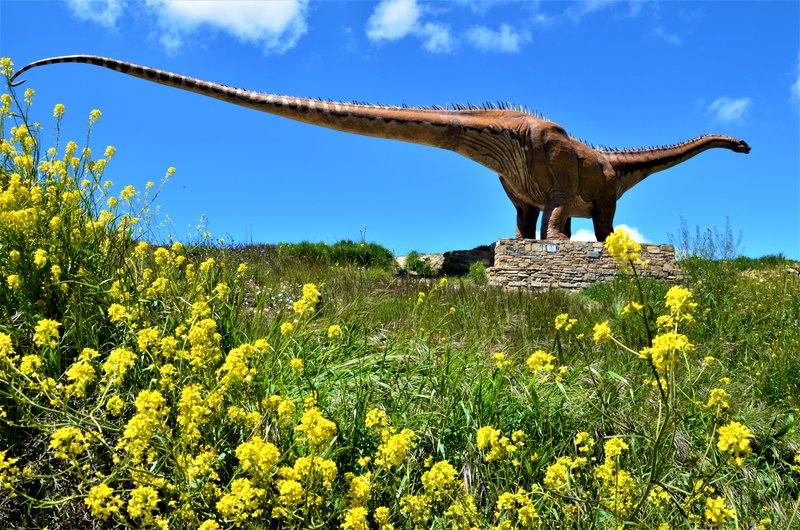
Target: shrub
x,y
419,265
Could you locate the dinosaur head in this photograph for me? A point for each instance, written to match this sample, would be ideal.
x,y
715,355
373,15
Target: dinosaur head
x,y
741,147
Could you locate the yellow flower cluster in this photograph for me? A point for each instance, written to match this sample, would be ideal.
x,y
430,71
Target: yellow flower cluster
x,y
563,322
602,332
517,508
257,457
540,361
151,412
717,512
102,502
68,443
500,360
142,504
46,333
395,446
242,502
334,331
495,446
315,429
617,487
623,249
307,303
440,480
734,440
557,474
665,349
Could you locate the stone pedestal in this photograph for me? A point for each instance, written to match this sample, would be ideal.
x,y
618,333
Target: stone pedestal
x,y
539,265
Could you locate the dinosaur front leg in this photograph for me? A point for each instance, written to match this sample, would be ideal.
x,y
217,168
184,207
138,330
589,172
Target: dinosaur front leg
x,y
554,221
526,215
526,221
603,218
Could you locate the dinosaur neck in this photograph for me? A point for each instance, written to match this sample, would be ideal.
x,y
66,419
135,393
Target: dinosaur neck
x,y
475,133
635,165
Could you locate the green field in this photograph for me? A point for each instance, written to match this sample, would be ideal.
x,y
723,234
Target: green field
x,y
198,385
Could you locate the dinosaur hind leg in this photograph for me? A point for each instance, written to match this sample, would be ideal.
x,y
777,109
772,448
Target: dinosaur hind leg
x,y
555,223
603,219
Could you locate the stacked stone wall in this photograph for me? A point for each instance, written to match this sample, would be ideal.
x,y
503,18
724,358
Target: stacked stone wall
x,y
539,265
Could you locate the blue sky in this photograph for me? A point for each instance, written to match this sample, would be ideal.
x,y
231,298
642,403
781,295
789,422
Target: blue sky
x,y
624,74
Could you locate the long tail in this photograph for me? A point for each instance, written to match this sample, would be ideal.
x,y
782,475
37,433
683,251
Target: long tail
x,y
474,133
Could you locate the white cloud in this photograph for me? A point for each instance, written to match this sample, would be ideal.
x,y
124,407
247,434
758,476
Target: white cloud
x,y
727,110
393,20
437,38
276,26
505,39
670,38
794,88
396,19
103,12
584,234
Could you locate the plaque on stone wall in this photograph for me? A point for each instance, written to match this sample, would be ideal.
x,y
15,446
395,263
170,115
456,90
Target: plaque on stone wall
x,y
552,248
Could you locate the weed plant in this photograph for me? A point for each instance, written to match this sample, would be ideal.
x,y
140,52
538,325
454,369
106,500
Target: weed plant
x,y
173,387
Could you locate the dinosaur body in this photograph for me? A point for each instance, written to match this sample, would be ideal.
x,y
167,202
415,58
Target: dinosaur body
x,y
541,167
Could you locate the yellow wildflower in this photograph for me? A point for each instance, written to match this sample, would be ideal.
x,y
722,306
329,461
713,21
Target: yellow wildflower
x,y
115,405
13,281
500,360
394,450
94,116
540,361
664,351
680,304
6,66
623,249
717,512
286,328
40,258
316,430
633,307
102,502
563,322
68,442
381,515
127,193
116,365
257,457
440,480
584,442
355,519
602,332
142,504
734,439
58,111
334,331
296,365
81,374
718,399
46,333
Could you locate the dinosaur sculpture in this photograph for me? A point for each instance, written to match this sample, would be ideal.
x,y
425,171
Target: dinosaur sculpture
x,y
541,167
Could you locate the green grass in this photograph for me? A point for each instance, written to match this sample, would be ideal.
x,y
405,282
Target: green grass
x,y
208,424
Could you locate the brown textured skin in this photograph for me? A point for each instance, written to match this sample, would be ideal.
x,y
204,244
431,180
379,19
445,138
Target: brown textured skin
x,y
541,167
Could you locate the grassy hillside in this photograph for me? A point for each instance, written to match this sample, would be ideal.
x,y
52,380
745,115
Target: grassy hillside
x,y
199,386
